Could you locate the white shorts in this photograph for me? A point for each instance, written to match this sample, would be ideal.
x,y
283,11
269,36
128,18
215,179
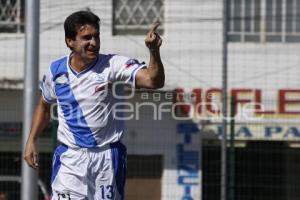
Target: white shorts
x,y
89,173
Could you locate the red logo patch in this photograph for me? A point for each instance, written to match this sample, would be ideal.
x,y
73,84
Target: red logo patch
x,y
99,88
131,62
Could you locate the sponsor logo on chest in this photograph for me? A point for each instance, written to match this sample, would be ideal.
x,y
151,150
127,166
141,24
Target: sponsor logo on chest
x,y
98,78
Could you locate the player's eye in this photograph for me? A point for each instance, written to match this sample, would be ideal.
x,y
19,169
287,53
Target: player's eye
x,y
87,37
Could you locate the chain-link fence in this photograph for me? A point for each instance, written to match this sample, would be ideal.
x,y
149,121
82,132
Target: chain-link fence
x,y
173,137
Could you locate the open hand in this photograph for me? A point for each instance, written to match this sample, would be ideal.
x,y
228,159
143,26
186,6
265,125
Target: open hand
x,y
31,154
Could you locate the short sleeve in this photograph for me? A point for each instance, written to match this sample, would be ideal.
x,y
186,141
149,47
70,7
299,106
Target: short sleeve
x,y
47,88
125,69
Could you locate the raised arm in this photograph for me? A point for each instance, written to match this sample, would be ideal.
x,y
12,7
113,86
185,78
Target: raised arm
x,y
154,76
40,120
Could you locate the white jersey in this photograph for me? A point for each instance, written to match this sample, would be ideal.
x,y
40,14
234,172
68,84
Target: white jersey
x,y
86,100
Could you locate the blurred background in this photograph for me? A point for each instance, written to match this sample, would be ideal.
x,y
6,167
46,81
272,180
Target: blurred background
x,y
174,144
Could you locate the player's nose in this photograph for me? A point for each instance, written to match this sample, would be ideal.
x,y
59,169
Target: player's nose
x,y
93,42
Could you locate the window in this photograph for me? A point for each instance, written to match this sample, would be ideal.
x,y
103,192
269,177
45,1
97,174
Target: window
x,y
264,20
12,16
135,16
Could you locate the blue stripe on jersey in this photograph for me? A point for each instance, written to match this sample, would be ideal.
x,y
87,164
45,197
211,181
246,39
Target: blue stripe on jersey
x,y
119,154
56,160
72,112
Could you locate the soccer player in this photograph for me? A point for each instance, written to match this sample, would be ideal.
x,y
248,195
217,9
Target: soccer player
x,y
90,162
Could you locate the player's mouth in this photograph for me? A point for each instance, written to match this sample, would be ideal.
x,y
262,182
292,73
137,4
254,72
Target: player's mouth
x,y
93,51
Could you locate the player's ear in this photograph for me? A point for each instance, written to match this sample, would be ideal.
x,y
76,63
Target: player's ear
x,y
69,42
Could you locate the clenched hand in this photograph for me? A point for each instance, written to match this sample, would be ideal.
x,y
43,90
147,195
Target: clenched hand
x,y
153,40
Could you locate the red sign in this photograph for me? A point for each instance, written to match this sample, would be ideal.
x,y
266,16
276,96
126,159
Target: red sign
x,y
284,102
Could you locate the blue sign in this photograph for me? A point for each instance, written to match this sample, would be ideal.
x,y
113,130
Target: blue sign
x,y
188,163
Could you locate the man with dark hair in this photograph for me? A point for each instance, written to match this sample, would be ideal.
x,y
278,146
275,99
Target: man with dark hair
x,y
75,20
90,163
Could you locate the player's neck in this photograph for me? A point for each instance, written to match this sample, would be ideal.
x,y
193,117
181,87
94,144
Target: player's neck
x,y
78,64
